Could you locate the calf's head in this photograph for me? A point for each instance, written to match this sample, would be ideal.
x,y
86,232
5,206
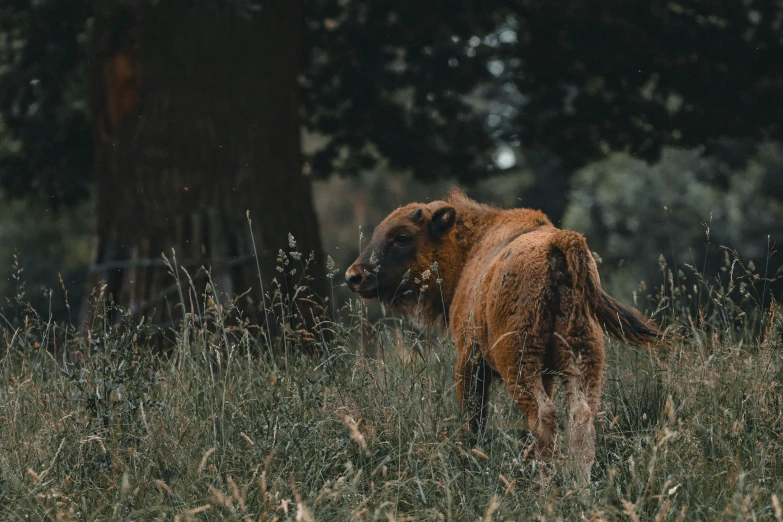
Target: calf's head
x,y
395,263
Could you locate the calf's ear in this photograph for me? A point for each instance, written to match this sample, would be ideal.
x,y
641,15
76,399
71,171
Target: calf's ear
x,y
442,220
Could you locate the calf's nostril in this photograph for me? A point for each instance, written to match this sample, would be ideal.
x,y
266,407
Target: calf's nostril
x,y
353,277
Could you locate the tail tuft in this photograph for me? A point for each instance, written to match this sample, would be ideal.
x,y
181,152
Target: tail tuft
x,y
620,321
623,322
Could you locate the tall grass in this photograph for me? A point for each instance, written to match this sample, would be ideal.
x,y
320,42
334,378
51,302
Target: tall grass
x,y
234,425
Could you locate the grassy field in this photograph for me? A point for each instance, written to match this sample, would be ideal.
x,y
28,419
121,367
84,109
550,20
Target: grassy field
x,y
232,427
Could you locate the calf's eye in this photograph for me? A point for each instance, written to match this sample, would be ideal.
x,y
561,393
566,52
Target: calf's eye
x,y
403,240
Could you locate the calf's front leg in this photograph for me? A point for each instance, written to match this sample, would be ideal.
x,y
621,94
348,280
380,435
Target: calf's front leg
x,y
473,378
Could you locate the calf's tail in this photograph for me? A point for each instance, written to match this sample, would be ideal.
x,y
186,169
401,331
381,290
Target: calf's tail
x,y
620,321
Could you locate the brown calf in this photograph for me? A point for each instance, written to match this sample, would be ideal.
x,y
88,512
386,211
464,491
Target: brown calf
x,y
521,298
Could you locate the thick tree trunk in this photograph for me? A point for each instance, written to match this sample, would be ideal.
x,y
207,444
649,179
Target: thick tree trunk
x,y
197,123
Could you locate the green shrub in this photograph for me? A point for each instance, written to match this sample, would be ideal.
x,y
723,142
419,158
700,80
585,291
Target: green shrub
x,y
662,224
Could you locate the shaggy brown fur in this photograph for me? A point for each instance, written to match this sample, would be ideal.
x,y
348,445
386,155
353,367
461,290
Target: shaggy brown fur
x,y
521,298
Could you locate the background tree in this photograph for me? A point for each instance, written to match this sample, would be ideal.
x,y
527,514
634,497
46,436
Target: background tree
x,y
196,123
194,115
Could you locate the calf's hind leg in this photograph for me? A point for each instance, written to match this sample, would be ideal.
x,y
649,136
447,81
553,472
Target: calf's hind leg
x,y
524,378
581,430
582,369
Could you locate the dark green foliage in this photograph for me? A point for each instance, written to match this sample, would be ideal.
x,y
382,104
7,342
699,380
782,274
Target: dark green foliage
x,y
392,78
45,137
433,86
576,79
633,75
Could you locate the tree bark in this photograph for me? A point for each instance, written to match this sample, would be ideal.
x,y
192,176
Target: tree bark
x,y
196,123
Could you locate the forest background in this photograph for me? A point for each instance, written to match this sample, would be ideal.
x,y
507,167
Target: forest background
x,y
133,129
